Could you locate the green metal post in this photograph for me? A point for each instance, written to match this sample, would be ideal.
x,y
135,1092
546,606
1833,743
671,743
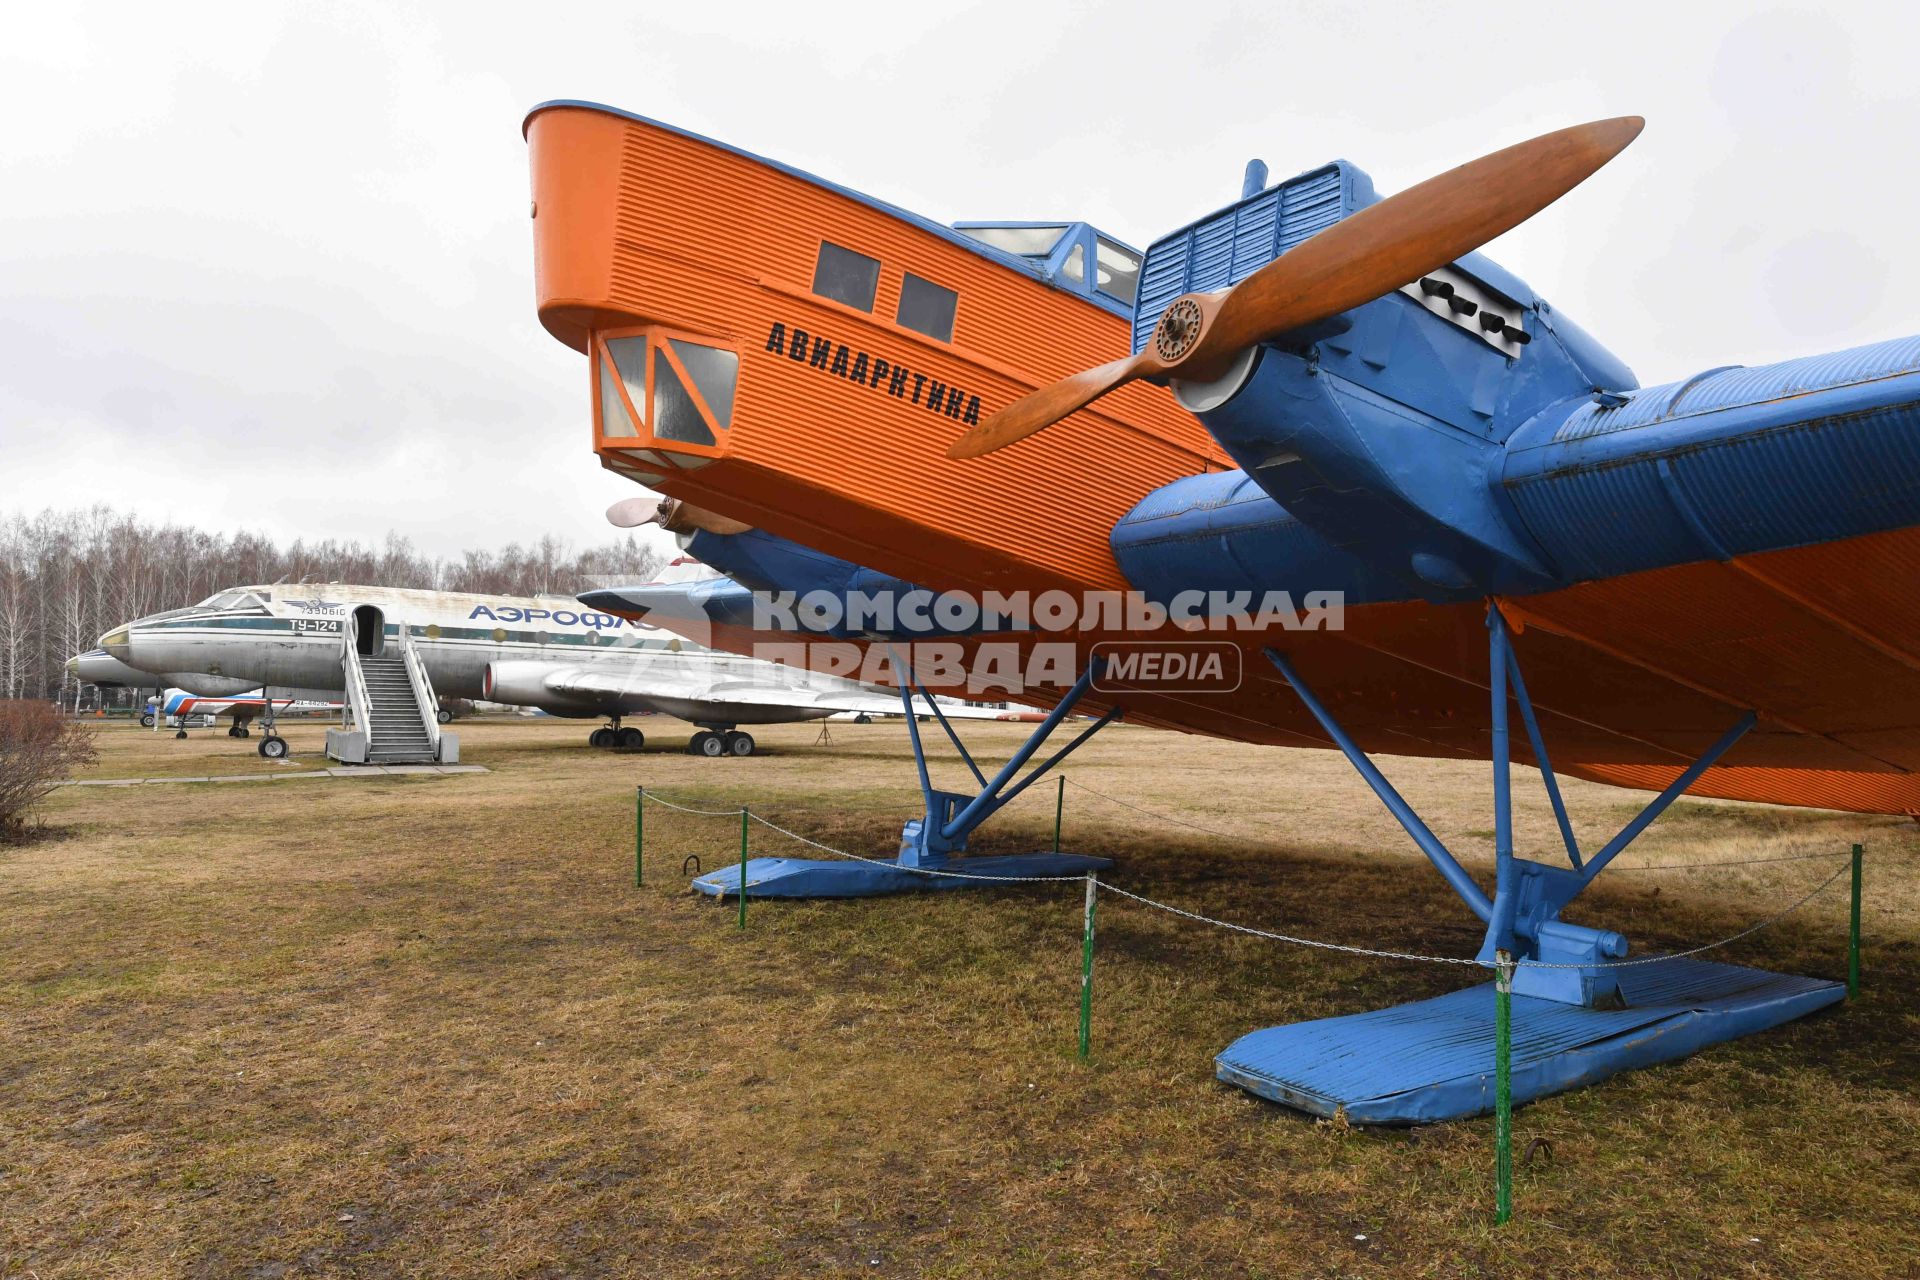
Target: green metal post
x,y
1059,805
1086,968
1502,1088
639,835
1853,932
743,866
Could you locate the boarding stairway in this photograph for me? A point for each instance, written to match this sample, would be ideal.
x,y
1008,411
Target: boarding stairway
x,y
391,713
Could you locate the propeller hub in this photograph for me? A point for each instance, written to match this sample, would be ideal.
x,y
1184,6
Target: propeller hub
x,y
1179,329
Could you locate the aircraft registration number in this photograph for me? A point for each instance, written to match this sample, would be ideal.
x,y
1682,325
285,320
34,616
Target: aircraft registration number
x,y
324,626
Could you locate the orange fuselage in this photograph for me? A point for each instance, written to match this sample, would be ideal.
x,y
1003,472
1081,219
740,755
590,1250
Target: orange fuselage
x,y
646,232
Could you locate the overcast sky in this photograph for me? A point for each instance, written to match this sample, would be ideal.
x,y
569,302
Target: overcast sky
x,y
269,267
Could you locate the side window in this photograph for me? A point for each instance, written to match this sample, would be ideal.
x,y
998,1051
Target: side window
x,y
1119,271
926,307
846,276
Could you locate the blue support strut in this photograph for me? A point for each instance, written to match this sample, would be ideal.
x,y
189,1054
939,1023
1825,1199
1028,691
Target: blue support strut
x,y
1504,897
988,800
913,730
1658,805
1527,717
1444,862
952,737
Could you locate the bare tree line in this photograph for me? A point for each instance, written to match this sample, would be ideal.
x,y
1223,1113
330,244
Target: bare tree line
x,y
68,576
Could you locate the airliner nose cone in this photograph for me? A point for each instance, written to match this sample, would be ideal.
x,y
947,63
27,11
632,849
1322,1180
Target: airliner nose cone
x,y
115,643
73,665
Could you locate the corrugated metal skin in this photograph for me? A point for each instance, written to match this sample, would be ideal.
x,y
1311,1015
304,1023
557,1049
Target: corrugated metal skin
x,y
708,240
1230,246
640,224
1753,461
1433,1059
1738,385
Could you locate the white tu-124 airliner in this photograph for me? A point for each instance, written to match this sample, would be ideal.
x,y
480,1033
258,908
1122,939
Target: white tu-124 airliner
x,y
551,653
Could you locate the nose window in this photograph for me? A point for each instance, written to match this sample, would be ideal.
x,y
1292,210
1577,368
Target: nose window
x,y
614,419
675,416
670,388
715,372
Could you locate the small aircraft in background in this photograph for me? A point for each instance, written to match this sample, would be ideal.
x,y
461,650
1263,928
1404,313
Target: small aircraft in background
x,y
178,706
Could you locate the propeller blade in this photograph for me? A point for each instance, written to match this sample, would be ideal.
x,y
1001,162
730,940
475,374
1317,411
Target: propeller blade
x,y
1360,258
631,513
1047,406
670,514
1407,235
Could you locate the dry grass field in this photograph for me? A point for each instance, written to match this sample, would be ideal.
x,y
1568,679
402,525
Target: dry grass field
x,y
429,1027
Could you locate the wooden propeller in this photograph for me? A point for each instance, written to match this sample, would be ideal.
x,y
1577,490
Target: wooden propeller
x,y
670,514
1356,260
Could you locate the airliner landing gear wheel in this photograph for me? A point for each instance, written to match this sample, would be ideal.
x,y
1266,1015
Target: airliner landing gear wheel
x,y
601,737
739,744
245,732
863,718
179,733
274,748
233,731
146,720
444,716
705,743
632,739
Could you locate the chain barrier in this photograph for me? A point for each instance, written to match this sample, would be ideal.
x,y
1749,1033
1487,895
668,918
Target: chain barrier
x,y
921,871
1292,939
653,797
1282,937
1737,862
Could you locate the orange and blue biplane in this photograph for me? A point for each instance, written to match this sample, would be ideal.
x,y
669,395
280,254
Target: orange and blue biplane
x,y
1704,587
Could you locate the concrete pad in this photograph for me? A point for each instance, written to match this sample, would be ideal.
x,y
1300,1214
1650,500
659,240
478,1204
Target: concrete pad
x,y
363,771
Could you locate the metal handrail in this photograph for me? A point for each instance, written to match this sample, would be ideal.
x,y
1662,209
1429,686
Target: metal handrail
x,y
424,700
359,706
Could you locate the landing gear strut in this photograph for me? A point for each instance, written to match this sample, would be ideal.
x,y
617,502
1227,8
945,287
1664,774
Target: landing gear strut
x,y
272,745
609,736
726,742
940,833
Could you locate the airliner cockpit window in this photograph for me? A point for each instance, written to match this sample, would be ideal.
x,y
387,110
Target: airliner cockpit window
x,y
1119,270
227,601
1027,242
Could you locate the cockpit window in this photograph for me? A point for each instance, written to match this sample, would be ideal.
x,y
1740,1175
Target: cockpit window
x,y
1119,270
1027,242
227,601
1075,267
